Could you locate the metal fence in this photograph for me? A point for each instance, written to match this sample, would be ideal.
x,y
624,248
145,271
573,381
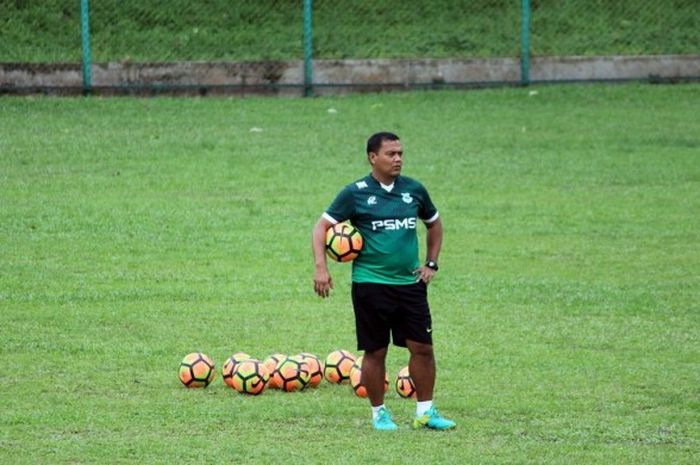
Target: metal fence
x,y
315,44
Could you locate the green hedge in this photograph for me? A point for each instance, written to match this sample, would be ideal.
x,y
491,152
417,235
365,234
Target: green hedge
x,y
126,30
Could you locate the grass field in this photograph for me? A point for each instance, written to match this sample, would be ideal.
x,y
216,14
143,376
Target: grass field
x,y
566,314
134,30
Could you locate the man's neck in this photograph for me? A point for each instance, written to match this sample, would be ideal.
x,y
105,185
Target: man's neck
x,y
385,180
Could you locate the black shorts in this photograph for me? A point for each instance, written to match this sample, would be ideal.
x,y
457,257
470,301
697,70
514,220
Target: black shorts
x,y
381,310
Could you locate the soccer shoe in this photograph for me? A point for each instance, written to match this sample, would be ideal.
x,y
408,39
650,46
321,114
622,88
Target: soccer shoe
x,y
433,420
383,422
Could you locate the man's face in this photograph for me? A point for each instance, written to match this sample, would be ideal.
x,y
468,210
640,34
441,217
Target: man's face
x,y
387,161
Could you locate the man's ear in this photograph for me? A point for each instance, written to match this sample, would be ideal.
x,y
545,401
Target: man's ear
x,y
371,156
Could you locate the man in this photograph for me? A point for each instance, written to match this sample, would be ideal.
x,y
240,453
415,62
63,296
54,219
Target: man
x,y
389,284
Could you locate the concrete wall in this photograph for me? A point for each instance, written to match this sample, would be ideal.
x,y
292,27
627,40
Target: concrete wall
x,y
335,76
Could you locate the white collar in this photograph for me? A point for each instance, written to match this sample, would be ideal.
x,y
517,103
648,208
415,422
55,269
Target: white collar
x,y
388,187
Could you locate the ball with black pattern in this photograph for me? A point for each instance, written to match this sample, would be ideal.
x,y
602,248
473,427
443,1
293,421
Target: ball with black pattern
x,y
343,242
338,365
405,386
250,377
230,366
197,370
292,374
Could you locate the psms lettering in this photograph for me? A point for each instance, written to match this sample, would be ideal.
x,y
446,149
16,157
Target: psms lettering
x,y
392,224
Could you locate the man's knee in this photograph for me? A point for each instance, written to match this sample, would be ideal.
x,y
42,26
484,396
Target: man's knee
x,y
377,354
419,349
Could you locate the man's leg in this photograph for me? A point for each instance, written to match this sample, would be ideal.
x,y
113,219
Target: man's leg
x,y
374,374
372,378
421,366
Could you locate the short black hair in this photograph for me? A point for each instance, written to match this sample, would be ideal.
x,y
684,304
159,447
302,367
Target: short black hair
x,y
375,141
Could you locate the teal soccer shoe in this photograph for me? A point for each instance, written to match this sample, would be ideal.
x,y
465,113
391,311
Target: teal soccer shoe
x,y
383,422
433,420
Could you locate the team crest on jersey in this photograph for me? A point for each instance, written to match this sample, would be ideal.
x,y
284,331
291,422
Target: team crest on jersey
x,y
406,197
372,200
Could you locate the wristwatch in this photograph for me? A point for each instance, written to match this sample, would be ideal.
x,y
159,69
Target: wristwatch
x,y
432,265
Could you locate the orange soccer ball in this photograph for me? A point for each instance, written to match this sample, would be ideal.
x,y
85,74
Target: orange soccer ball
x,y
250,377
271,363
315,368
230,366
343,242
337,366
404,384
197,370
292,374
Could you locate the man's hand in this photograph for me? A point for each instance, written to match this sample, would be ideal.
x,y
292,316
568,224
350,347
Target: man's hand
x,y
323,283
425,274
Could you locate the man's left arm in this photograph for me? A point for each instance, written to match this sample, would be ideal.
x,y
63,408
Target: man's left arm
x,y
434,244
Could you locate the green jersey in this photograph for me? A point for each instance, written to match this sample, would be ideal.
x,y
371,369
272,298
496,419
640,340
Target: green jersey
x,y
387,220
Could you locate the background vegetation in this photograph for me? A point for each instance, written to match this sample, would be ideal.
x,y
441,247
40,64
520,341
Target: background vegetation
x,y
130,30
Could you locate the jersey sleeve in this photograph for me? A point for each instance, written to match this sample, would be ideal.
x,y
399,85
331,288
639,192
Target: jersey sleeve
x,y
343,207
428,213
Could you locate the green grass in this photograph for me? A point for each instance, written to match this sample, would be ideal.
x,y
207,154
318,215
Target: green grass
x,y
567,323
215,30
